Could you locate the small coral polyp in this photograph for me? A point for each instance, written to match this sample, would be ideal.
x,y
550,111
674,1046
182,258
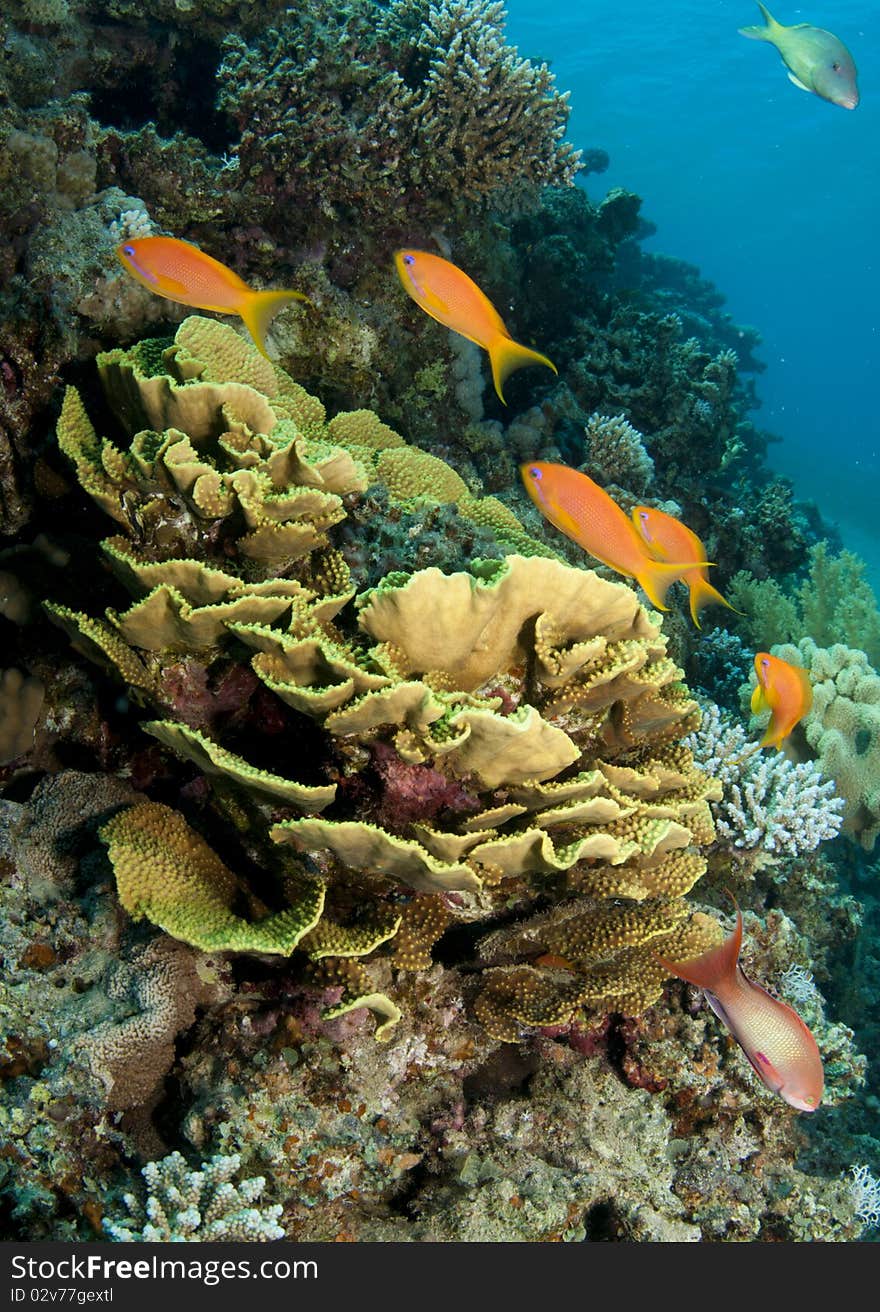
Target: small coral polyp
x,y
499,746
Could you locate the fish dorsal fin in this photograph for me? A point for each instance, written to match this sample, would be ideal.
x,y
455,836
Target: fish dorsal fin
x,y
714,968
796,80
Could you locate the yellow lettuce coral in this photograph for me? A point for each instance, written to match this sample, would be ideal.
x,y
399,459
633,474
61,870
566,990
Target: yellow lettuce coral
x,y
513,729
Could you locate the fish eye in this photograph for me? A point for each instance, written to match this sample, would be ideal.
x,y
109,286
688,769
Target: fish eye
x,y
409,259
836,66
128,250
534,472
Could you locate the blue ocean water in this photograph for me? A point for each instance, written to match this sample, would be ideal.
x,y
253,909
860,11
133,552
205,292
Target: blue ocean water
x,y
770,191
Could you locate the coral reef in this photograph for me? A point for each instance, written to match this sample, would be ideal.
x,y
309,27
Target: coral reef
x,y
452,678
616,454
718,666
326,744
866,1196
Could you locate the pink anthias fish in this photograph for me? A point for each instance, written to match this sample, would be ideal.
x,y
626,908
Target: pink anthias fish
x,y
776,1041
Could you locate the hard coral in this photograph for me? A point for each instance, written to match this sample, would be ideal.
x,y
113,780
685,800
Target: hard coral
x,y
404,118
202,1206
769,802
841,731
537,736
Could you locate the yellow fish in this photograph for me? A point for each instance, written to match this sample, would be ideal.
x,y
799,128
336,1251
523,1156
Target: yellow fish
x,y
668,539
785,691
181,272
584,512
816,60
453,299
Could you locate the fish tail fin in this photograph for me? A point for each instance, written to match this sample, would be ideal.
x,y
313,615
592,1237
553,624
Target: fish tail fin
x,y
506,355
714,966
260,308
703,594
766,33
657,576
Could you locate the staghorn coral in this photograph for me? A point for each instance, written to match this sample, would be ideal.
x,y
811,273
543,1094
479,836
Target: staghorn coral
x,y
201,1206
841,731
769,802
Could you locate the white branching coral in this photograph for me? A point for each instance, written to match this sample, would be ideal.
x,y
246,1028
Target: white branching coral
x,y
768,801
132,223
865,1190
797,986
185,1206
616,453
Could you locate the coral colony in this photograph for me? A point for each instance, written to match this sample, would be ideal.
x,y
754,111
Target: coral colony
x,y
351,815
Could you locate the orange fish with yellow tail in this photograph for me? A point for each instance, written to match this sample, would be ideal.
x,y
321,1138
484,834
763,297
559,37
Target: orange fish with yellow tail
x,y
776,1041
668,539
584,512
785,691
181,272
452,298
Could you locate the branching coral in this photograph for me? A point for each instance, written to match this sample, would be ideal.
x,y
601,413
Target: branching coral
x,y
201,1206
616,453
412,116
769,802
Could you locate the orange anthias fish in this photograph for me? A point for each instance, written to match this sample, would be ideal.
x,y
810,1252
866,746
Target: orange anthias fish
x,y
584,512
771,1034
668,539
455,300
785,691
181,272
